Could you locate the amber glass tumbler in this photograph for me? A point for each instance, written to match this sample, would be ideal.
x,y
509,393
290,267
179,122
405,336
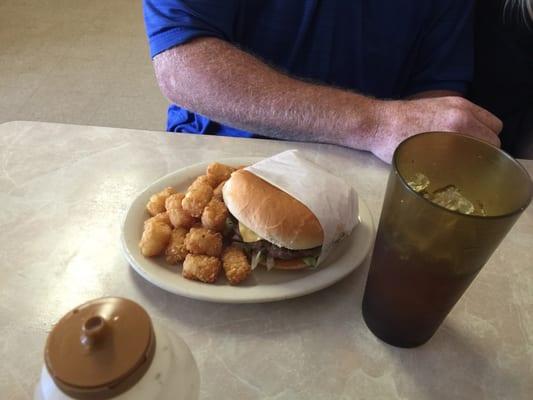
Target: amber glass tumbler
x,y
425,255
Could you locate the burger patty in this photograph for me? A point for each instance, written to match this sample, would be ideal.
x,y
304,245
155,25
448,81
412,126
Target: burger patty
x,y
270,248
281,252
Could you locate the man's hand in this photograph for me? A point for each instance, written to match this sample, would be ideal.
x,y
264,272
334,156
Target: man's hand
x,y
398,120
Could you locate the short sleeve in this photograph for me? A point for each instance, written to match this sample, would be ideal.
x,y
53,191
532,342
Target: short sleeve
x,y
445,60
173,22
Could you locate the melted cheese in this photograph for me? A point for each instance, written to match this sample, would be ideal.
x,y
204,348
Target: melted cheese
x,y
247,234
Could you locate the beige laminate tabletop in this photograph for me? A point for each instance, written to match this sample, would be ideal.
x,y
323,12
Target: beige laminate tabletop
x,y
63,192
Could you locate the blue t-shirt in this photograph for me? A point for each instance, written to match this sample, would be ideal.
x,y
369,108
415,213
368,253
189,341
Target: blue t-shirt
x,y
384,48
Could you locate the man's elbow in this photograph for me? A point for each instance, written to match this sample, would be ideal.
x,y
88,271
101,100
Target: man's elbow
x,y
168,78
188,74
165,76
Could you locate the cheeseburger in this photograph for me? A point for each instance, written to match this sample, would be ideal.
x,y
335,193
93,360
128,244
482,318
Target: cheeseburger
x,y
272,227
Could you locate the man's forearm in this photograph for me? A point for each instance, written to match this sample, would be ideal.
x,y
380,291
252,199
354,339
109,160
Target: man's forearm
x,y
430,94
214,78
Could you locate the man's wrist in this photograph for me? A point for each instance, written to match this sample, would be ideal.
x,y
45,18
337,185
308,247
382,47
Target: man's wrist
x,y
366,123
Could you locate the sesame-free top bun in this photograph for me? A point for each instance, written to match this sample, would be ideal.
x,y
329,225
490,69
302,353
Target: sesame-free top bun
x,y
271,213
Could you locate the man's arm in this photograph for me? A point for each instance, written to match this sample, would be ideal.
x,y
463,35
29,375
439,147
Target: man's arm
x,y
430,94
212,77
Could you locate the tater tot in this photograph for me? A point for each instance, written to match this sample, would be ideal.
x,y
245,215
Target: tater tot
x,y
236,265
155,238
161,217
180,217
204,241
219,172
174,201
214,215
196,199
218,190
156,204
176,214
202,268
203,180
176,251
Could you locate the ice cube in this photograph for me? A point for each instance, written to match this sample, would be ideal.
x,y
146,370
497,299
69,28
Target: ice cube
x,y
419,182
451,198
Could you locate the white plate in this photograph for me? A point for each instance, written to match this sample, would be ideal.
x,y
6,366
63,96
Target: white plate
x,y
262,286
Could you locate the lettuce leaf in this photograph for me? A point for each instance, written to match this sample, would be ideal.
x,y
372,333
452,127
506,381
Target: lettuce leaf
x,y
310,261
256,259
270,262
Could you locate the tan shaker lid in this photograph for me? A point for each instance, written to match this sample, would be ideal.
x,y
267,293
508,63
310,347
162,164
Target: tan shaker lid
x,y
100,349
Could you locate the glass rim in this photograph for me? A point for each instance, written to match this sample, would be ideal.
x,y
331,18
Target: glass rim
x,y
522,169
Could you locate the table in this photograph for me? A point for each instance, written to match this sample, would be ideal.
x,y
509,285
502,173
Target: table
x,y
63,191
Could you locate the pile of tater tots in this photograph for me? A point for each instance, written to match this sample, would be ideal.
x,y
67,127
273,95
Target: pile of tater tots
x,y
188,228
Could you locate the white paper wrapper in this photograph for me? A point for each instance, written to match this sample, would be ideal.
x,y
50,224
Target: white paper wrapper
x,y
332,200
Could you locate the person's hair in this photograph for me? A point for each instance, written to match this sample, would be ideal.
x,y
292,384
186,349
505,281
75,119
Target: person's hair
x,y
523,8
